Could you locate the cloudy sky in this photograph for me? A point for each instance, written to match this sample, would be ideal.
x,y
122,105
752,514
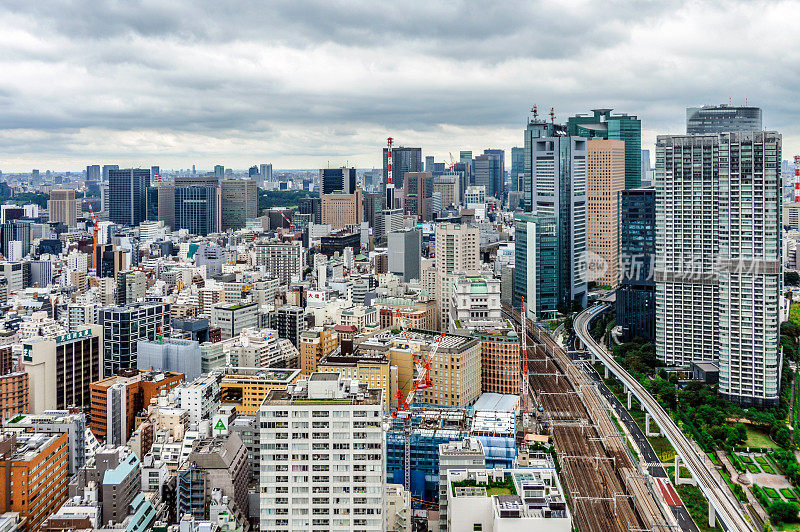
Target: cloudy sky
x,y
303,84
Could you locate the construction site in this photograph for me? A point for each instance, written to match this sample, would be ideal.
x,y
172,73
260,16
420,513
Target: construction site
x,y
606,488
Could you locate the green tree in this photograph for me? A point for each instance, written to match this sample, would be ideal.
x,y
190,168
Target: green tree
x,y
791,278
783,512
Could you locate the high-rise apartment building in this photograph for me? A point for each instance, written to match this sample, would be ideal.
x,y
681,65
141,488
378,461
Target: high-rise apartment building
x,y
604,125
281,261
127,203
718,258
636,293
239,203
556,188
606,181
713,119
337,476
457,252
61,206
289,323
404,160
337,180
197,205
124,326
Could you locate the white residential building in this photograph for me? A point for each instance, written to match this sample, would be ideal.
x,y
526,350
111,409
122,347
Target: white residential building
x,y
718,269
200,397
335,480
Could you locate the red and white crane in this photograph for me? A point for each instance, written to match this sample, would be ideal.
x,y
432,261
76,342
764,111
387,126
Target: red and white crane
x,y
797,178
290,222
526,382
422,380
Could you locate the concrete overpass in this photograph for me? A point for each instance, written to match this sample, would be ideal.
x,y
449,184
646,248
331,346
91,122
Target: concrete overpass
x,y
721,505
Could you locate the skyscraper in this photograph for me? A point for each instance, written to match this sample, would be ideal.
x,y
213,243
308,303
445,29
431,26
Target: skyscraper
x,y
457,252
62,207
405,251
342,180
16,231
711,119
239,202
418,195
606,181
197,205
517,168
265,171
490,172
603,125
219,171
556,187
124,326
93,172
404,160
636,294
535,265
106,169
718,258
128,195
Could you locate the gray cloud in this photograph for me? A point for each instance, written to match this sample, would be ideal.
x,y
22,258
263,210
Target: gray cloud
x,y
297,82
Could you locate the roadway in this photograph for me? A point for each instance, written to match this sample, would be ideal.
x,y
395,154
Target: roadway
x,y
649,455
728,512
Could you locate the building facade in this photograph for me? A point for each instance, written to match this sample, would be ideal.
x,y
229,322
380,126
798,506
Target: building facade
x,y
342,210
337,477
636,294
123,327
712,119
197,205
127,204
718,258
239,203
556,187
606,180
61,207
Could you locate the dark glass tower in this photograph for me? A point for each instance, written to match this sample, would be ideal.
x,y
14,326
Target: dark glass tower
x,y
127,191
636,295
197,204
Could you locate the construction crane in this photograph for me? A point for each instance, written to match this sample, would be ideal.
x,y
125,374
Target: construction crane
x,y
525,384
290,222
422,380
452,163
94,237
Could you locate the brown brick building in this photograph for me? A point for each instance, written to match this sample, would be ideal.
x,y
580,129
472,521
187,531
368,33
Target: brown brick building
x,y
140,386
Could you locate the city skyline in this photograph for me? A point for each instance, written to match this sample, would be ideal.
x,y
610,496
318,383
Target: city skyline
x,y
160,84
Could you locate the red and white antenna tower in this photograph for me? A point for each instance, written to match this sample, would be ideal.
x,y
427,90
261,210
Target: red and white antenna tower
x,y
797,178
389,178
525,384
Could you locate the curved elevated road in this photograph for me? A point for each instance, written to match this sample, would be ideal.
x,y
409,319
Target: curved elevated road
x,y
727,510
